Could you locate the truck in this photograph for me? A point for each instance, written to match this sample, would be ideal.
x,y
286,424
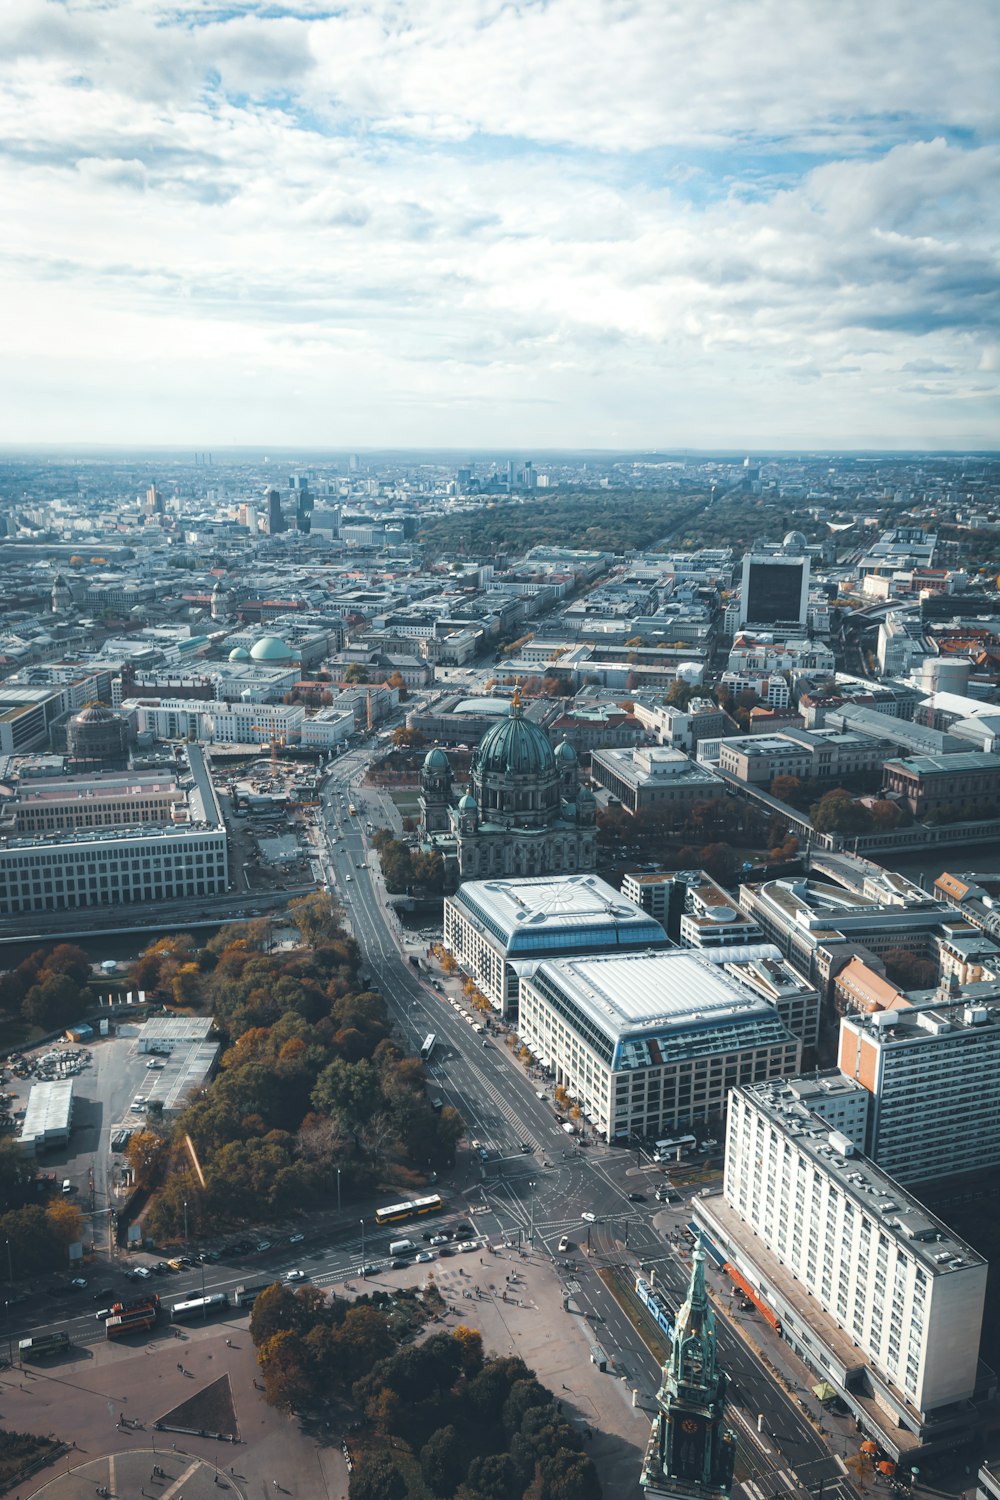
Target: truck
x,y
401,1247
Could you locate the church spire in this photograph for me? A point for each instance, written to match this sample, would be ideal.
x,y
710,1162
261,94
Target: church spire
x,y
690,1454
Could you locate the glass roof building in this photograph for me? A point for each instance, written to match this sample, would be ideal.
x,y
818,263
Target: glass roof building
x,y
649,1043
490,924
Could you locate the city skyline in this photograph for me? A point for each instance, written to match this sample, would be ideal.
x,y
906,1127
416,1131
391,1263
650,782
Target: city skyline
x,y
567,226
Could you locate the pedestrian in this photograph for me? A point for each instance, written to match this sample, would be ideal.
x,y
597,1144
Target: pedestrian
x,y
180,1366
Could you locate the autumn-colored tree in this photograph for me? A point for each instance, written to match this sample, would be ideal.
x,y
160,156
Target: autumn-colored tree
x,y
65,1223
185,986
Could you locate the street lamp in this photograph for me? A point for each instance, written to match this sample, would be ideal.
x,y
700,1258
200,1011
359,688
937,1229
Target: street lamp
x,y
362,1246
531,1228
338,1190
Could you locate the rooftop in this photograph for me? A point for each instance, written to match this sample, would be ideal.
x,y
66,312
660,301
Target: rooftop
x,y
879,1196
931,765
659,1006
555,911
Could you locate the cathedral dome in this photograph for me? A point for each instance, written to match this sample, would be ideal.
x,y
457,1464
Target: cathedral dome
x,y
271,649
239,653
467,803
436,760
515,747
565,753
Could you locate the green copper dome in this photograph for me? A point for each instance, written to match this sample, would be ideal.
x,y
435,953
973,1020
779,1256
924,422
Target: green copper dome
x,y
565,752
436,760
272,649
467,803
515,747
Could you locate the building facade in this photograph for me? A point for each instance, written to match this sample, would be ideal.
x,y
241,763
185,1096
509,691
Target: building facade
x,y
525,813
933,1075
876,1294
492,926
649,1042
655,779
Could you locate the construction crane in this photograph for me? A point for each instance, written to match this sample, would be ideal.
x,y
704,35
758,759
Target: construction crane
x,y
273,740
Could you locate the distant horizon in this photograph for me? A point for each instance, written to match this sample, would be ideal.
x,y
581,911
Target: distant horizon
x,y
561,219
487,451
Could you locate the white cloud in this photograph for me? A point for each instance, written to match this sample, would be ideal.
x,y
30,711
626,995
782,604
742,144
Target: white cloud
x,y
470,222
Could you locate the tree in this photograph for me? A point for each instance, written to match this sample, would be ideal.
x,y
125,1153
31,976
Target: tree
x,y
838,812
284,1365
428,871
317,917
17,1173
54,1003
442,1461
787,789
567,1475
356,673
65,1223
376,1479
406,739
350,1090
145,1154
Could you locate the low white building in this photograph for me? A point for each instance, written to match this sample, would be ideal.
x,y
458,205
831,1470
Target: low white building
x,y
491,924
647,1043
215,721
48,1115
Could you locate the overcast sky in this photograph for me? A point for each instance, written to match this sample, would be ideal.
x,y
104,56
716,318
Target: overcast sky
x,y
601,223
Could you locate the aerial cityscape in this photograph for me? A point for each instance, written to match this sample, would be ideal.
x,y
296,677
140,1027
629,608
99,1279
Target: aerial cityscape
x,y
499,750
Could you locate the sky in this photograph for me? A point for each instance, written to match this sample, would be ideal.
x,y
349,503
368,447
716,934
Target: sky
x,y
481,223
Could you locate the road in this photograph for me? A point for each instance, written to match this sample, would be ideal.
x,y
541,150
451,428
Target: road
x,y
538,1196
529,1197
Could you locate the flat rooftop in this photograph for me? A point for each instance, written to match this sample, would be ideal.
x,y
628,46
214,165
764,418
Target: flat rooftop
x,y
553,910
675,1002
880,1197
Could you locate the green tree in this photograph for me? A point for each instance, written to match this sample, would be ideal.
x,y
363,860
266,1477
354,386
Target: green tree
x,y
428,871
55,1002
349,1090
356,673
376,1478
442,1461
568,1475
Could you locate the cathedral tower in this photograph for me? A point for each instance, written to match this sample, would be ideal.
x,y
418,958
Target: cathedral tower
x,y
690,1454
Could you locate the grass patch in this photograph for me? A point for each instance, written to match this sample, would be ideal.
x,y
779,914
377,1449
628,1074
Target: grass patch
x,y
22,1452
406,798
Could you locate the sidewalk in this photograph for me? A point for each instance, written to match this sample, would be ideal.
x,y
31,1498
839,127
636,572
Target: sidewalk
x,y
555,1344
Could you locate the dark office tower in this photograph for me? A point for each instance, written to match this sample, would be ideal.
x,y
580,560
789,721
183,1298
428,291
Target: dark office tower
x,y
510,473
775,590
274,521
303,508
529,475
690,1454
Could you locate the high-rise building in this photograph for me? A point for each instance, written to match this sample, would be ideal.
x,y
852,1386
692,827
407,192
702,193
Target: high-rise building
x,y
933,1074
155,505
690,1452
274,521
877,1295
775,590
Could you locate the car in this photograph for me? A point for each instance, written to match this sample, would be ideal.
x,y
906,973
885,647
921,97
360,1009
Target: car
x,y
103,1315
155,1063
423,1257
483,1154
369,1268
176,1263
560,1119
296,1239
527,1146
142,1272
438,1239
588,1216
77,1284
295,1275
464,1229
446,1250
565,1244
398,1263
637,1197
466,1245
262,1246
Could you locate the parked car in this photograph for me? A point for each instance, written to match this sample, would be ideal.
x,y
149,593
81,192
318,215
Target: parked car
x,y
637,1197
295,1275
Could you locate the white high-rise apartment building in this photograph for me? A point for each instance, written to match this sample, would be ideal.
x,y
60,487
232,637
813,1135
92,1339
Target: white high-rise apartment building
x,y
933,1073
899,1286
